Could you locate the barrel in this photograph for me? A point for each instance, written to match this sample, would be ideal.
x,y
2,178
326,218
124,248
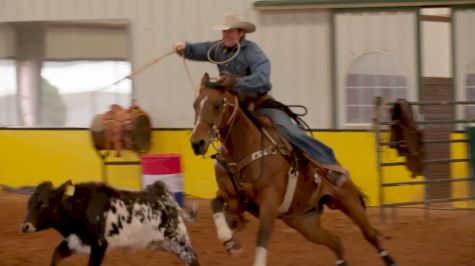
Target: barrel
x,y
166,168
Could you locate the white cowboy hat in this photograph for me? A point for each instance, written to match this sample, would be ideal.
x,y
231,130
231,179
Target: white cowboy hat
x,y
232,21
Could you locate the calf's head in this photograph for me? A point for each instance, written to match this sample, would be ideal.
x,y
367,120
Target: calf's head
x,y
43,207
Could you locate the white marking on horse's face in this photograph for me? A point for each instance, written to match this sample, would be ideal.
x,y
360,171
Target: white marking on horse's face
x,y
76,245
198,117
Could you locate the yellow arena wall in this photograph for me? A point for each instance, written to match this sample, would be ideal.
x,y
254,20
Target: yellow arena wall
x,y
31,156
460,170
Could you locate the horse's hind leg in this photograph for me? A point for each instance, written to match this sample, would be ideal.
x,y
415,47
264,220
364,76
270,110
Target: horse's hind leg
x,y
309,226
351,203
225,234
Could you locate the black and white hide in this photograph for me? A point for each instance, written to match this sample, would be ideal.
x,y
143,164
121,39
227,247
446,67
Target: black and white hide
x,y
94,217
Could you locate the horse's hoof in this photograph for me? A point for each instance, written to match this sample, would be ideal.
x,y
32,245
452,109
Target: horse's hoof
x,y
341,263
389,260
233,247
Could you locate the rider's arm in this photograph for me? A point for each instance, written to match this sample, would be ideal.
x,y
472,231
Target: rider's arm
x,y
258,82
197,51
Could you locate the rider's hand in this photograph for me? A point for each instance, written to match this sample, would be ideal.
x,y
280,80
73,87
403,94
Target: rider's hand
x,y
179,46
227,79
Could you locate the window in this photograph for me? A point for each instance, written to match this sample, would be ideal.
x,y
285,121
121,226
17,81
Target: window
x,y
373,74
61,73
8,107
74,92
470,90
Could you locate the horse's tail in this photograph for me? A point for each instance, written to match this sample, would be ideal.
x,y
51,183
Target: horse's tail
x,y
363,198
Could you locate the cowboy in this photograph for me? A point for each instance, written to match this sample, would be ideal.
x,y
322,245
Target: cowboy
x,y
245,60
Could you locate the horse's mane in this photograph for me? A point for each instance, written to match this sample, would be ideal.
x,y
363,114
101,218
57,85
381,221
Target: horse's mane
x,y
251,116
215,85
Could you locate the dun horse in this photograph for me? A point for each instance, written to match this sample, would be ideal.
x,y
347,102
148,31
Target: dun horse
x,y
254,176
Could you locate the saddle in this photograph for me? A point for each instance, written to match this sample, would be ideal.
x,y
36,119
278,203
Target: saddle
x,y
271,132
336,174
315,172
119,129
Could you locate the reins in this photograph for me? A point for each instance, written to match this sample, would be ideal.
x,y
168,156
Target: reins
x,y
229,124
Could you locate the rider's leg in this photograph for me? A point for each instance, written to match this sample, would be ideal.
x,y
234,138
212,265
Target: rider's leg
x,y
298,137
315,151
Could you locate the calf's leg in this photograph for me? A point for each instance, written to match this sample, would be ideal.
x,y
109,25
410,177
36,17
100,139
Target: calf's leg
x,y
61,251
97,254
184,250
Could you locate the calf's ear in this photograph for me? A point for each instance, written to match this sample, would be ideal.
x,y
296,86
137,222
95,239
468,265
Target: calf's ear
x,y
67,183
44,186
66,189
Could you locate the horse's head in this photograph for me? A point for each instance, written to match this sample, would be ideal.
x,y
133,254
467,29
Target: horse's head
x,y
215,109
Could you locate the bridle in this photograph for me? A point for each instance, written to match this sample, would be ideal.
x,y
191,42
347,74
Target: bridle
x,y
215,128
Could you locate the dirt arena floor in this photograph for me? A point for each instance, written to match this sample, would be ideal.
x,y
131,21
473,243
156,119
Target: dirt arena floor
x,y
446,239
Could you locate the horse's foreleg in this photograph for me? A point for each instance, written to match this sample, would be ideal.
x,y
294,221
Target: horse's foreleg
x,y
225,234
350,203
268,210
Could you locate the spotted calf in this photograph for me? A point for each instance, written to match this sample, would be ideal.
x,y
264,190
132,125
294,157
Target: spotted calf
x,y
94,217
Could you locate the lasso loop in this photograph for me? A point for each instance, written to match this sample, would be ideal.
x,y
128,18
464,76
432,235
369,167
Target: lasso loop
x,y
214,46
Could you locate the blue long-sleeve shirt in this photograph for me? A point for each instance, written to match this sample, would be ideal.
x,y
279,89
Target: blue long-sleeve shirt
x,y
251,65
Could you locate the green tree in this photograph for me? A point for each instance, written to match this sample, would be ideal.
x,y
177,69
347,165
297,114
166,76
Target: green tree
x,y
53,109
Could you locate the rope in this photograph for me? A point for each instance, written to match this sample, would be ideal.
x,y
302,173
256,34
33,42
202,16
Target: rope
x,y
188,73
140,69
208,55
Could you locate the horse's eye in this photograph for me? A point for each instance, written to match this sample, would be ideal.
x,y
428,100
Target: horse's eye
x,y
216,106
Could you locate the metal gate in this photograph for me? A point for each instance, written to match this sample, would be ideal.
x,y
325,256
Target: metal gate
x,y
431,137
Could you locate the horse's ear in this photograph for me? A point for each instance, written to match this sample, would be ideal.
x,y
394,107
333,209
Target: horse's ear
x,y
205,78
204,81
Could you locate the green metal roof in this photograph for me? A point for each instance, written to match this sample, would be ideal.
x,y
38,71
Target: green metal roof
x,y
302,4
